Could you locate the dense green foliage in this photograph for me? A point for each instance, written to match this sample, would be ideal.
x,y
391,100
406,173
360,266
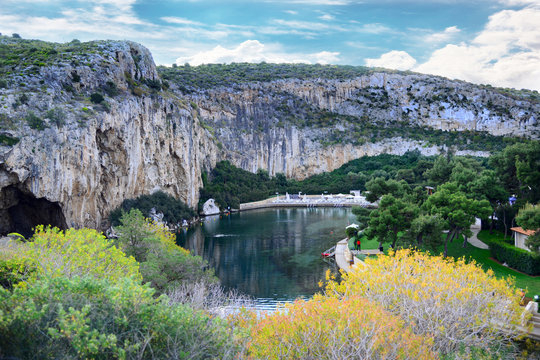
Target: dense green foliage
x,y
86,318
519,259
393,215
35,122
361,131
529,219
163,264
518,167
8,140
173,210
75,295
28,56
456,209
96,98
206,76
16,270
230,186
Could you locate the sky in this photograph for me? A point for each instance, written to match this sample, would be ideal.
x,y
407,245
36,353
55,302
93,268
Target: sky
x,y
493,42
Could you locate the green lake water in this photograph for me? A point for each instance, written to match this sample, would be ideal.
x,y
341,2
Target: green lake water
x,y
273,255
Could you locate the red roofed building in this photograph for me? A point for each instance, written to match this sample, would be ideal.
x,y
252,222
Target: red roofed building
x,y
520,235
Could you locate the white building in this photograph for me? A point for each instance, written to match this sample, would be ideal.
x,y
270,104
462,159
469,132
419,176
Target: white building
x,y
520,236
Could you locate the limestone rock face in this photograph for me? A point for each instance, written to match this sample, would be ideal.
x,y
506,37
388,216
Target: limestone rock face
x,y
210,208
102,154
304,127
76,160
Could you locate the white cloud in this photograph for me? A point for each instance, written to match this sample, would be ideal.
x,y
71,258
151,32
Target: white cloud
x,y
305,25
505,53
394,59
255,51
324,57
179,20
374,28
327,17
519,2
442,36
292,12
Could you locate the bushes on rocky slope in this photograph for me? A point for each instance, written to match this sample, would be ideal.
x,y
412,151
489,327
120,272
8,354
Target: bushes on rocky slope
x,y
173,210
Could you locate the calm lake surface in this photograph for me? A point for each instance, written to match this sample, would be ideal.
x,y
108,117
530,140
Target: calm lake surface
x,y
273,255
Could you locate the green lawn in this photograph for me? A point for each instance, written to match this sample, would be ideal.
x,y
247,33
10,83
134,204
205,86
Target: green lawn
x,y
482,257
370,244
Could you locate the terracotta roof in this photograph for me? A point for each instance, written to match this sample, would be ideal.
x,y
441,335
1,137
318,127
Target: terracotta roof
x,y
523,231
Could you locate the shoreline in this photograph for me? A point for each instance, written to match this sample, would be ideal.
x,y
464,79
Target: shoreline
x,y
309,201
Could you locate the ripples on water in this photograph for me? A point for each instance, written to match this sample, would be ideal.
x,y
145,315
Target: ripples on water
x,y
273,255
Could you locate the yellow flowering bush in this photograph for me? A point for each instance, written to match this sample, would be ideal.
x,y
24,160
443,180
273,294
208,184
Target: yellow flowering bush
x,y
331,328
457,303
82,253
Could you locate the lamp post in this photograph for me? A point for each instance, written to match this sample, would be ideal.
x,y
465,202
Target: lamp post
x,y
277,194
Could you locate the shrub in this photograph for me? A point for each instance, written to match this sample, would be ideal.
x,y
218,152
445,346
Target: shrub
x,y
173,210
85,318
351,231
75,77
330,328
153,84
519,259
163,263
35,122
456,303
83,252
16,270
96,98
23,99
137,91
110,89
57,116
8,140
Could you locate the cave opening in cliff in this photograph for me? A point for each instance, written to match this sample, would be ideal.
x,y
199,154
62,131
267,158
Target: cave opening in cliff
x,y
23,211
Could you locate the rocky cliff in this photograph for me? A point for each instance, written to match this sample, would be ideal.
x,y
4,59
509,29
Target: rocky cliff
x,y
75,159
85,126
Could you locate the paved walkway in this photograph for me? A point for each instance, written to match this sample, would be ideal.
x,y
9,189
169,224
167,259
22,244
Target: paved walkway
x,y
343,256
473,240
341,261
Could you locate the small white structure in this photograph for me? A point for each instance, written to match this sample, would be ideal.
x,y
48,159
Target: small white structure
x,y
210,208
520,236
155,216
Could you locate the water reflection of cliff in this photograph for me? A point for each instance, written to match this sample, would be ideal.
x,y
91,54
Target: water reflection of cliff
x,y
269,253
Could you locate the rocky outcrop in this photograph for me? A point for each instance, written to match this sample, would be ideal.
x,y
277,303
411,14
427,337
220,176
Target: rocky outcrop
x,y
77,157
210,208
304,127
101,154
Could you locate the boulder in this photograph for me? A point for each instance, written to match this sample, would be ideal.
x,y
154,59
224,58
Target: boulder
x,y
210,208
